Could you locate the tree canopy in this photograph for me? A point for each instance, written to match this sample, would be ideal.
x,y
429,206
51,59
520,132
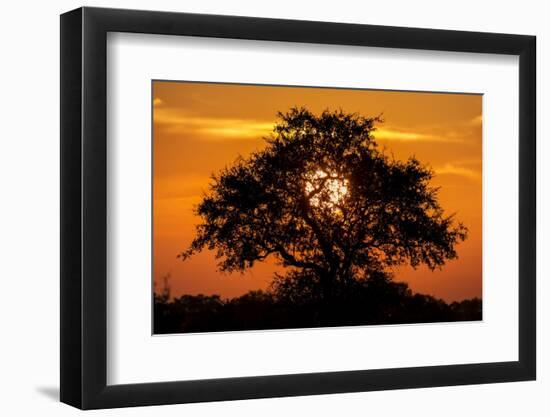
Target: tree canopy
x,y
326,201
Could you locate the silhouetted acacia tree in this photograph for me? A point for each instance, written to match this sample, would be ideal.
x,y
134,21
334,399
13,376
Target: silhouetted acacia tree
x,y
325,200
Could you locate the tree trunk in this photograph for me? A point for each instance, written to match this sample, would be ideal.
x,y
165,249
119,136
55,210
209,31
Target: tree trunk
x,y
328,303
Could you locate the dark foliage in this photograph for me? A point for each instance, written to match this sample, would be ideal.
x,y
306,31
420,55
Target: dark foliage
x,y
325,201
290,304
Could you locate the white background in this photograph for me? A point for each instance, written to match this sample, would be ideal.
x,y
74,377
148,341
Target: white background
x,y
29,236
133,60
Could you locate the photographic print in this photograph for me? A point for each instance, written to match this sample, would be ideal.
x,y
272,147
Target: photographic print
x,y
280,207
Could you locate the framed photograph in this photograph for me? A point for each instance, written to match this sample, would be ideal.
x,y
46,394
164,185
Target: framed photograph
x,y
256,208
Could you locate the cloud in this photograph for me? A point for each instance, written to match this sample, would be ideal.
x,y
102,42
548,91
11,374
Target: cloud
x,y
460,132
454,169
395,134
476,121
222,128
239,129
212,128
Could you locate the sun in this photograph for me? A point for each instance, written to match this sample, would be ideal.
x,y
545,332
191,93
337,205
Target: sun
x,y
326,190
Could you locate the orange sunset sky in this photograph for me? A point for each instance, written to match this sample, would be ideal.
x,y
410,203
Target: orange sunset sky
x,y
199,128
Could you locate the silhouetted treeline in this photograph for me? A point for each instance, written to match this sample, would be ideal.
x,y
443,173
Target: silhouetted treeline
x,y
374,301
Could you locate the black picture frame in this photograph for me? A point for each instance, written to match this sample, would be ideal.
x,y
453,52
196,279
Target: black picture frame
x,y
84,207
